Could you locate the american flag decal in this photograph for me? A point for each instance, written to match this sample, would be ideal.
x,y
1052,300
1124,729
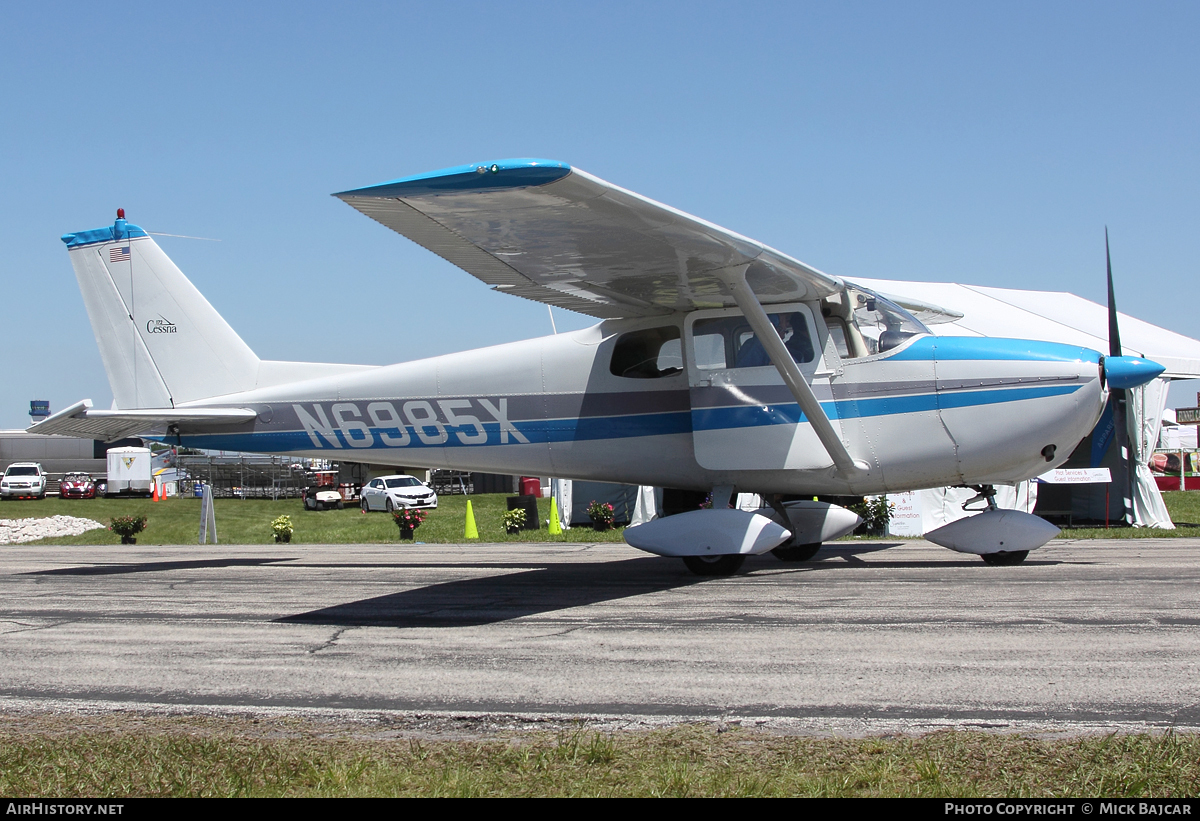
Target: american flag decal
x,y
119,254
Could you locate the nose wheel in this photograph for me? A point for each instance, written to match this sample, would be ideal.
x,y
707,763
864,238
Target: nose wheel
x,y
796,552
725,565
1004,558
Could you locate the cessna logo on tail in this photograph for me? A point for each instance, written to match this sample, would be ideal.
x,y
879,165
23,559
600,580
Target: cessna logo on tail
x,y
160,326
397,424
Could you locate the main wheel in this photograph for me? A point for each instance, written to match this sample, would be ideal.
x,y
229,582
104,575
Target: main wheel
x,y
1004,558
725,565
366,508
389,506
796,552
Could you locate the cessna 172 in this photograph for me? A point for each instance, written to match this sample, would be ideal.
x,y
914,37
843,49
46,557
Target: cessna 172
x,y
719,364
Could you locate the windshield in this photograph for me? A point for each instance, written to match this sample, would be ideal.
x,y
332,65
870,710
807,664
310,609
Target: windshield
x,y
403,481
883,324
21,471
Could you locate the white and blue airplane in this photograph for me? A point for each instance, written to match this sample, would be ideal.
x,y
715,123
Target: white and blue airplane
x,y
719,364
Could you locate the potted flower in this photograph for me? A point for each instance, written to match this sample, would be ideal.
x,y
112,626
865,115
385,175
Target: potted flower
x,y
282,528
601,514
127,527
408,519
514,520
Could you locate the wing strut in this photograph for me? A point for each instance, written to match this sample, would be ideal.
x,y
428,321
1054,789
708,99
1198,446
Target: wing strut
x,y
847,466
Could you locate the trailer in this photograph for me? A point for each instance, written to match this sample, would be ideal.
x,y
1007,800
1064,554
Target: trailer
x,y
129,472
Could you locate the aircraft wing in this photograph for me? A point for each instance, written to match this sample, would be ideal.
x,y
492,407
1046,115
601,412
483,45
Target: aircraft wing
x,y
109,425
551,233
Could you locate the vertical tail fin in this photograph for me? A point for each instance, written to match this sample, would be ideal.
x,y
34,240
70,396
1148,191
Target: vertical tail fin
x,y
161,341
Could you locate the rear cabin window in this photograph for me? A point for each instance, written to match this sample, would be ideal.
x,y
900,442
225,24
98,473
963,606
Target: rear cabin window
x,y
649,354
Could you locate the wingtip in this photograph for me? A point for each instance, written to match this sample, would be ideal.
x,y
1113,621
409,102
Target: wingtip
x,y
522,172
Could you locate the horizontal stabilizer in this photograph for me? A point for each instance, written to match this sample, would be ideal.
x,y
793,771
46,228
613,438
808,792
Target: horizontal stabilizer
x,y
109,425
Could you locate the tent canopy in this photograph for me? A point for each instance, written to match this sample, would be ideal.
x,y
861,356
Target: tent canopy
x,y
1050,316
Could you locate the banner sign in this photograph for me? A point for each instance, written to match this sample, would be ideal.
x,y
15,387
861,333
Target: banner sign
x,y
1187,416
1076,476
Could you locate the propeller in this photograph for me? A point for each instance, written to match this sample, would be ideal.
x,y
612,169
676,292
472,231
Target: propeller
x,y
1122,372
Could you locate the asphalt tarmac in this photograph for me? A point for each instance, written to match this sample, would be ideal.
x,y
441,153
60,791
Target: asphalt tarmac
x,y
868,637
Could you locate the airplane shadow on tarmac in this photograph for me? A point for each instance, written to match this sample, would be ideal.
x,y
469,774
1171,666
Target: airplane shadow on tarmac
x,y
155,567
498,598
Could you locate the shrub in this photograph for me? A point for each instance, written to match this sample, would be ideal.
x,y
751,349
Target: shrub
x,y
514,520
282,528
875,512
127,527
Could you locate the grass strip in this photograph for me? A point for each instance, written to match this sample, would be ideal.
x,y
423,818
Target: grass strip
x,y
241,758
248,521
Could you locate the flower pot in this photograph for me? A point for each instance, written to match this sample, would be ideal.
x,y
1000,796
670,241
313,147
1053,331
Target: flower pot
x,y
512,531
128,540
601,525
283,537
406,534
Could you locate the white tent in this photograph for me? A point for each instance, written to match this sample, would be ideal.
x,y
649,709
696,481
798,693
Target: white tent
x,y
1061,317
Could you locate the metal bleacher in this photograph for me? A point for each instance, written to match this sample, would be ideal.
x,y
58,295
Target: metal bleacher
x,y
245,476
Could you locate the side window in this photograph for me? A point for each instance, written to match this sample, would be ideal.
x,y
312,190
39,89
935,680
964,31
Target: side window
x,y
719,342
837,332
648,354
712,340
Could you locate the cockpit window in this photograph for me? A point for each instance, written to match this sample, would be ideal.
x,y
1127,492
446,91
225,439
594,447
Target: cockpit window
x,y
648,354
883,324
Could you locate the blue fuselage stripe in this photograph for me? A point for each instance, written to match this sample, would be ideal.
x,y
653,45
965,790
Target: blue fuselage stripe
x,y
539,431
790,414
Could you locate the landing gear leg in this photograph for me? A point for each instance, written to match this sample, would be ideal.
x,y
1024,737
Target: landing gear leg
x,y
984,493
790,551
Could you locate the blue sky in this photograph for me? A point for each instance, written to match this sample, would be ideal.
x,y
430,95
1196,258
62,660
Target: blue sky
x,y
962,142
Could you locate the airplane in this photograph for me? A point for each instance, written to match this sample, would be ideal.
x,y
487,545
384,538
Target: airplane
x,y
718,364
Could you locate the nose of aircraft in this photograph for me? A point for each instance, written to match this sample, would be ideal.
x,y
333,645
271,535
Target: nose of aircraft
x,y
1123,372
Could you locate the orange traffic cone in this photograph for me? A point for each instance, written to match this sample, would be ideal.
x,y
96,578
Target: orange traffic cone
x,y
154,492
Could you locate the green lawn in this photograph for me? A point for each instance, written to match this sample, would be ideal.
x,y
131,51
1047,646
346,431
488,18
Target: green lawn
x,y
248,521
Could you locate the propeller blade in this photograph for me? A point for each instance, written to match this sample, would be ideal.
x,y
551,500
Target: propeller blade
x,y
1114,333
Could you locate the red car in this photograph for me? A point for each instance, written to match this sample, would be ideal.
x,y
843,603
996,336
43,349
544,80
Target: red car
x,y
77,486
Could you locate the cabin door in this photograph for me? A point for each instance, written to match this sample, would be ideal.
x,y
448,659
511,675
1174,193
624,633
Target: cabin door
x,y
743,415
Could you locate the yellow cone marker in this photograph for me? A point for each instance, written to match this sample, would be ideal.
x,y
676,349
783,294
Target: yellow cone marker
x,y
555,528
472,532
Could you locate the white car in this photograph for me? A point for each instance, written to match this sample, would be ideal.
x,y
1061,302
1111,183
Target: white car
x,y
393,492
23,480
